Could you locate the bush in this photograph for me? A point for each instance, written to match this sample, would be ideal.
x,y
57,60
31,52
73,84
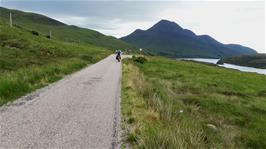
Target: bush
x,y
87,58
3,37
35,33
16,43
139,59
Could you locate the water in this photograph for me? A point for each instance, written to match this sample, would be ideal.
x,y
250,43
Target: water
x,y
241,68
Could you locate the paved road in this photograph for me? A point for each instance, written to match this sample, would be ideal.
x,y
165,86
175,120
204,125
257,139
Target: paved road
x,y
80,111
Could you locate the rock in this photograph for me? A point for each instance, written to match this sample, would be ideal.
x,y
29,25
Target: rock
x,y
220,62
213,127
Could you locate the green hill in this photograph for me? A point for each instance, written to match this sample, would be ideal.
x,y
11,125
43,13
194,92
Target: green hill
x,y
61,31
29,61
255,60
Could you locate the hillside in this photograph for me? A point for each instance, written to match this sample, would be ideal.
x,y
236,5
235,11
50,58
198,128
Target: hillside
x,y
29,61
169,39
61,31
191,105
255,60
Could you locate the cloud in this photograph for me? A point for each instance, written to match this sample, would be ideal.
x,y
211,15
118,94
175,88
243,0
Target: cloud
x,y
124,28
89,22
229,22
240,22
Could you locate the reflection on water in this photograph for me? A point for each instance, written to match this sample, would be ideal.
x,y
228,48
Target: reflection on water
x,y
241,68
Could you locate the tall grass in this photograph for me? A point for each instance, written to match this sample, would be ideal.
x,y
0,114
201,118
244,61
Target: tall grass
x,y
148,122
178,104
17,83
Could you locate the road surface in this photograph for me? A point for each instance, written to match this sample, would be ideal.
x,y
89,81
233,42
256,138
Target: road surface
x,y
79,111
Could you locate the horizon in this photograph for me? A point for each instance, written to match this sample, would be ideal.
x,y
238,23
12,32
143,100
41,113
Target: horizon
x,y
235,30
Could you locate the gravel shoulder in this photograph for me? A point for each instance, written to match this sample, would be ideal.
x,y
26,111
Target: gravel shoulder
x,y
79,111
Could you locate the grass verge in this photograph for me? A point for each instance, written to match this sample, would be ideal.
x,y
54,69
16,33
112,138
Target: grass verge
x,y
29,61
176,104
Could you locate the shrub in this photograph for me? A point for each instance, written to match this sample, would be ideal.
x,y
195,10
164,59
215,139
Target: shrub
x,y
35,33
87,58
3,37
139,59
131,120
16,43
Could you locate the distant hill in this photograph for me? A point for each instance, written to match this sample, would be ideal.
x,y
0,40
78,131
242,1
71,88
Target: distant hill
x,y
255,60
169,39
61,31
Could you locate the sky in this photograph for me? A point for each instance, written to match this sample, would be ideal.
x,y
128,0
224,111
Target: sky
x,y
241,22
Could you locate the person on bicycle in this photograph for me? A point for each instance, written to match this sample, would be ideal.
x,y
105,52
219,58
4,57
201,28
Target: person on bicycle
x,y
118,55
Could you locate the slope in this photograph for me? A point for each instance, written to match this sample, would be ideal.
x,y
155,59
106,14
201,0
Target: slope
x,y
192,105
169,39
29,61
43,25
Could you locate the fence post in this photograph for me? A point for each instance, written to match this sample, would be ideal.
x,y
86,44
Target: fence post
x,y
10,19
50,34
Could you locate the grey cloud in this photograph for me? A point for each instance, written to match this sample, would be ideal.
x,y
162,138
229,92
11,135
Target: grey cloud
x,y
119,18
103,9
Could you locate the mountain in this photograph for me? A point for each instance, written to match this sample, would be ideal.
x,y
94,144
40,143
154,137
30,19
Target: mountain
x,y
61,31
167,38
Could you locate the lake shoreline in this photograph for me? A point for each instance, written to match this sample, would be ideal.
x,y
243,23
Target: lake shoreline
x,y
226,65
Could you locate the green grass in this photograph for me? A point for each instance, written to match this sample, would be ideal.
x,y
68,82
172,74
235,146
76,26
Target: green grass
x,y
29,62
61,31
177,104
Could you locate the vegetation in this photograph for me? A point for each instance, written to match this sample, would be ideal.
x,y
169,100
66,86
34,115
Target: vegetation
x,y
28,61
139,59
256,60
179,104
35,33
61,31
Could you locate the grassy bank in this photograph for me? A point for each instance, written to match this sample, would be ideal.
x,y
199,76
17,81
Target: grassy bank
x,y
29,61
177,104
43,25
255,60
